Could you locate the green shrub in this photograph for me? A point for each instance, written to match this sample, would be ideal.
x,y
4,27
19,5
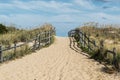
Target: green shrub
x,y
3,29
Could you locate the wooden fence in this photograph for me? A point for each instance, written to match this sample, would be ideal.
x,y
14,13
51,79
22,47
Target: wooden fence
x,y
90,46
40,40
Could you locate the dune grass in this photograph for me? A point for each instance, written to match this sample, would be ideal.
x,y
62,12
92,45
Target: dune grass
x,y
110,36
22,35
18,53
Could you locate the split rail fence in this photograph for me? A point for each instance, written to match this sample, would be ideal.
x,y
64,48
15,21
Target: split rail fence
x,y
90,46
42,39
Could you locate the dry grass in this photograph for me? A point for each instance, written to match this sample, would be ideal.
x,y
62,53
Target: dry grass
x,y
19,52
110,36
110,45
22,35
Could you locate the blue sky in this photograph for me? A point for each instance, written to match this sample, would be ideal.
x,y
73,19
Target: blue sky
x,y
63,14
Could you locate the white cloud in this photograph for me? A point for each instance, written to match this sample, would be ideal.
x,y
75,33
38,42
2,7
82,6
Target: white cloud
x,y
111,19
33,19
64,12
3,17
25,20
48,6
6,6
114,8
85,4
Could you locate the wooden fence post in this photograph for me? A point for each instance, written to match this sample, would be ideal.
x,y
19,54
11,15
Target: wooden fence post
x,y
54,31
1,57
45,39
41,37
82,40
94,43
115,60
49,37
85,43
15,48
88,44
114,52
101,49
39,41
34,45
101,45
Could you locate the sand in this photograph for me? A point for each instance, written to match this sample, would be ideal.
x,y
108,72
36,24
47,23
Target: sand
x,y
57,62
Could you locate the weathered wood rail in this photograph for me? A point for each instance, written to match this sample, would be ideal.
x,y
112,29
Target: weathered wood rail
x,y
98,52
40,40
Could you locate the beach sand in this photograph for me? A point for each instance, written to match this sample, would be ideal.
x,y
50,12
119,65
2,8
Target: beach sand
x,y
56,62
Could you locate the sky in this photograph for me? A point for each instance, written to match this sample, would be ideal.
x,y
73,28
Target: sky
x,y
62,14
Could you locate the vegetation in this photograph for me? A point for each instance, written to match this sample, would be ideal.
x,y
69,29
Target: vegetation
x,y
19,35
110,34
21,51
3,29
107,39
14,35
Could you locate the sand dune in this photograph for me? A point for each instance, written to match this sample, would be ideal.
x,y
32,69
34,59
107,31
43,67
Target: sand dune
x,y
57,62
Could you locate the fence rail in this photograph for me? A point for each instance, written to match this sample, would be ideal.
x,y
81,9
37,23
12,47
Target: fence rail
x,y
40,40
100,53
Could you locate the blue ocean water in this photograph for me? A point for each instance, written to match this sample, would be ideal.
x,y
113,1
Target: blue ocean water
x,y
62,29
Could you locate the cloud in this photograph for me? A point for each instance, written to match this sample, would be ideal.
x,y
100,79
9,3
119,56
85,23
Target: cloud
x,y
6,6
87,4
106,7
109,8
107,1
36,12
104,1
29,20
46,6
104,18
114,8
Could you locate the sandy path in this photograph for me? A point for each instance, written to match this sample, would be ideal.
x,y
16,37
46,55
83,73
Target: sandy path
x,y
57,62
